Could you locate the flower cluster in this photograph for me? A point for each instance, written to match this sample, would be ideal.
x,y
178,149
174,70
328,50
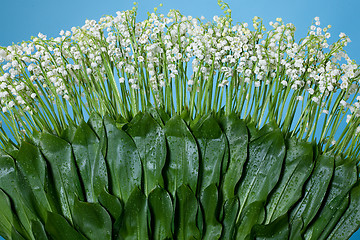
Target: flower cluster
x,y
180,63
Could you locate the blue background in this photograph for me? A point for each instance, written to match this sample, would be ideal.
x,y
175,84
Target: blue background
x,y
21,19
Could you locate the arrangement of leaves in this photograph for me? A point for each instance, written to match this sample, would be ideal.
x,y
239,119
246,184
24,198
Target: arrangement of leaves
x,y
158,177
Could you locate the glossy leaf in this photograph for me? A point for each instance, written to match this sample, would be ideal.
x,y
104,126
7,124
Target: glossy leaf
x,y
59,229
92,220
60,157
237,137
277,230
150,141
7,219
298,167
350,220
97,125
111,203
231,210
90,161
209,202
39,230
183,156
345,176
33,166
123,160
211,142
315,190
134,220
161,208
9,183
252,214
266,156
185,214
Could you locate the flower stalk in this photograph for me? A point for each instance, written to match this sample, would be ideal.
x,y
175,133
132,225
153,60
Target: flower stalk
x,y
121,66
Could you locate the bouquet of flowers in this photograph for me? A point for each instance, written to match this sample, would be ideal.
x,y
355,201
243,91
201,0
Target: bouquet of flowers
x,y
178,127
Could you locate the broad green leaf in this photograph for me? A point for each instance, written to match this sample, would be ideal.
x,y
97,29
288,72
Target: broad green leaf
x,y
62,164
123,161
90,162
211,142
68,133
295,229
345,176
231,210
39,230
134,219
298,167
10,183
59,229
315,190
252,214
277,230
262,171
92,220
7,218
209,202
164,116
349,222
33,166
158,114
111,203
183,156
185,214
97,125
150,141
161,209
15,235
237,137
340,210
11,148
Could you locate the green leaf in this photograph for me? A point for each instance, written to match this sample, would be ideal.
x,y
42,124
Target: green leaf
x,y
252,214
345,176
231,210
298,167
97,125
33,166
185,214
161,209
329,224
237,136
262,172
123,160
60,229
158,114
15,235
183,156
315,190
295,229
211,142
39,230
68,133
62,164
134,219
349,222
92,220
7,219
277,230
90,161
10,184
209,202
111,203
150,141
